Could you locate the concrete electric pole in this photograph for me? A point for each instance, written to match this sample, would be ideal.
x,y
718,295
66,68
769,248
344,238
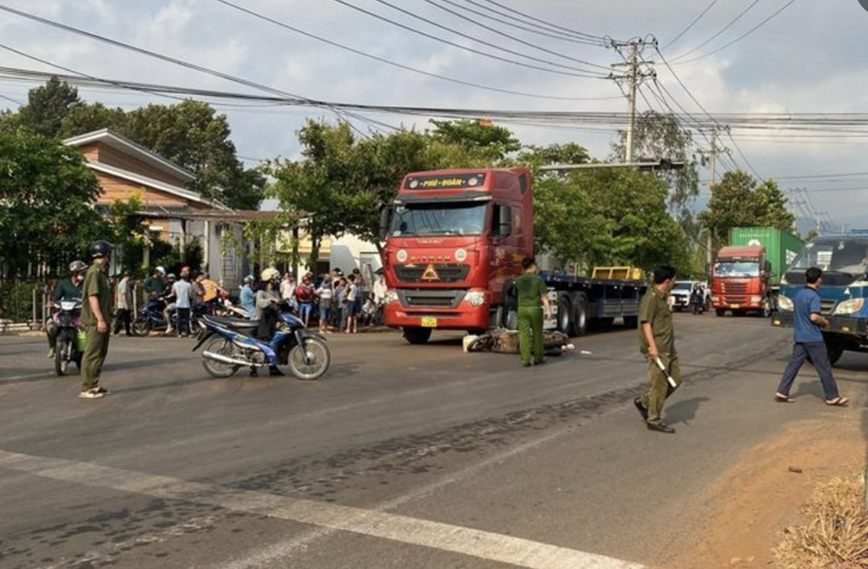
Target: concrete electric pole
x,y
637,70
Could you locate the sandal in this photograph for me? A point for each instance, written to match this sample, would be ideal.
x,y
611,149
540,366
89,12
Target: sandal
x,y
837,402
783,398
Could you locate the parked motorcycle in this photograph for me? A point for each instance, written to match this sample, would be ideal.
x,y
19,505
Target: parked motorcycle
x,y
70,344
231,343
151,318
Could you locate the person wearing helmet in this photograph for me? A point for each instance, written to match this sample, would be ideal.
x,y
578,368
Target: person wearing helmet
x,y
247,297
155,285
67,289
169,299
95,314
265,310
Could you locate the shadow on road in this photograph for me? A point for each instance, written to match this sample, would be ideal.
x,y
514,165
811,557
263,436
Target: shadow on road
x,y
684,411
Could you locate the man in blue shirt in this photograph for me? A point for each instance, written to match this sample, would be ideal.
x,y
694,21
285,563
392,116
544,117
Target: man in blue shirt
x,y
248,296
809,342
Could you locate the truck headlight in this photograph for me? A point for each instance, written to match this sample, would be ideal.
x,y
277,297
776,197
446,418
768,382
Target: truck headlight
x,y
756,299
850,306
785,303
391,296
475,298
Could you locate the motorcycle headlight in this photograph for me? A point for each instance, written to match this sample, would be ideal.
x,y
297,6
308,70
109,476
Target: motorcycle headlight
x,y
391,296
785,303
475,298
850,306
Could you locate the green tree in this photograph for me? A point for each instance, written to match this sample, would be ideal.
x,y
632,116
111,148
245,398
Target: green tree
x,y
129,235
86,118
481,137
738,200
46,197
47,106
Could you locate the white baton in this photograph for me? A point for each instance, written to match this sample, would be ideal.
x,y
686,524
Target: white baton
x,y
666,372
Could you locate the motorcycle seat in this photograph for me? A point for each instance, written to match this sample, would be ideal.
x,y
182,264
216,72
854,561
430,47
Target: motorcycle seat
x,y
233,322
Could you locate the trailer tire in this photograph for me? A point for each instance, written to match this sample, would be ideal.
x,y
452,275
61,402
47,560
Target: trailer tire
x,y
416,335
565,315
835,351
580,315
508,310
720,312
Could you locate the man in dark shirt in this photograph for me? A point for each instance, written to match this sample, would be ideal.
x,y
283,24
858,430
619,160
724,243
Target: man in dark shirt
x,y
532,296
809,343
657,344
95,315
155,285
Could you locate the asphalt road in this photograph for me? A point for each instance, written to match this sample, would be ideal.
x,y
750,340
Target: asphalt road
x,y
402,456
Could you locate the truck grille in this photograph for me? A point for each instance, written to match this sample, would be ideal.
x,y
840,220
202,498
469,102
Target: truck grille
x,y
448,298
446,272
827,305
734,293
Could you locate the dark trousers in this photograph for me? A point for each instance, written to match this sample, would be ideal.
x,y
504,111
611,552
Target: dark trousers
x,y
122,318
183,321
816,353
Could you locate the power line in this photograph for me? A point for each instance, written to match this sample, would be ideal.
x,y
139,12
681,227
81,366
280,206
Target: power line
x,y
571,71
513,38
719,33
540,31
549,24
742,36
690,26
389,62
11,100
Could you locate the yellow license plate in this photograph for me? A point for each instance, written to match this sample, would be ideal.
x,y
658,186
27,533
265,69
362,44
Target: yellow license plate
x,y
735,306
429,322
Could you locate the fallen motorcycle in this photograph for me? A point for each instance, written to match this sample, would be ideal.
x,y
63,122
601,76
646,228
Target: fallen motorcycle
x,y
231,344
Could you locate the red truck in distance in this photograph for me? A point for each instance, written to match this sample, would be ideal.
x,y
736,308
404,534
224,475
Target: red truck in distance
x,y
455,241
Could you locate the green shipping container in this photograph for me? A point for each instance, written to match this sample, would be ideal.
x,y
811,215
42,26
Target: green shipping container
x,y
782,247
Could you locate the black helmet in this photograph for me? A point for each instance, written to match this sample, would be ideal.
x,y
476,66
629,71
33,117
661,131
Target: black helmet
x,y
100,249
77,267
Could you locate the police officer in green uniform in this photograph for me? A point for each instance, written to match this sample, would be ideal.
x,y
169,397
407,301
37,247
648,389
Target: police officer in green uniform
x,y
532,296
95,314
67,289
657,340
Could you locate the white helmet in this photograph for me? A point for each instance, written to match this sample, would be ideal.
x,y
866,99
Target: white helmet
x,y
160,270
270,274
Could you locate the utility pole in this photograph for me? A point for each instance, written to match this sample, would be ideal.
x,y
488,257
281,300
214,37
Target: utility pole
x,y
712,166
637,70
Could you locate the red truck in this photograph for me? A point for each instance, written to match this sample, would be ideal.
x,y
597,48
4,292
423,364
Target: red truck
x,y
740,281
455,241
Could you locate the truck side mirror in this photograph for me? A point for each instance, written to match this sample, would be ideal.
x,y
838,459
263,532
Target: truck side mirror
x,y
768,267
385,222
504,221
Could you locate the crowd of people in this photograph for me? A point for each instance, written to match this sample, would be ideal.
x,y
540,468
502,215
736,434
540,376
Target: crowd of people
x,y
334,302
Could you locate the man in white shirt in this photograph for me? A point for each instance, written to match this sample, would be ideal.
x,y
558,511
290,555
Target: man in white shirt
x,y
181,290
380,290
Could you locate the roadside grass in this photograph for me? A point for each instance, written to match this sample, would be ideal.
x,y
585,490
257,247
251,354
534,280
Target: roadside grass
x,y
835,533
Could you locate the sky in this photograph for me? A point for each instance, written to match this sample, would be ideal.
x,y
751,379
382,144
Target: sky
x,y
809,58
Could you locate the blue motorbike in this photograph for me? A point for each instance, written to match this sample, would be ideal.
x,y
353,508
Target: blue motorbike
x,y
151,319
232,343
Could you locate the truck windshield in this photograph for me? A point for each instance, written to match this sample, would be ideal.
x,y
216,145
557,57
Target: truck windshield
x,y
683,286
842,255
439,219
735,269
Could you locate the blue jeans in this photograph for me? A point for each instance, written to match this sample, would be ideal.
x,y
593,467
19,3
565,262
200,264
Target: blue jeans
x,y
817,354
304,310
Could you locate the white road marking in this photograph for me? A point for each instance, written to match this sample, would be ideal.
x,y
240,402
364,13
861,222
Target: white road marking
x,y
404,529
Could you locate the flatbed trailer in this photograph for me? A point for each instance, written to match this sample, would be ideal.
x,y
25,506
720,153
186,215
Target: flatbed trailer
x,y
582,302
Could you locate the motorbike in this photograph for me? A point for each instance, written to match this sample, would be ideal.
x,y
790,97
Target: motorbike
x,y
69,342
697,302
231,344
151,318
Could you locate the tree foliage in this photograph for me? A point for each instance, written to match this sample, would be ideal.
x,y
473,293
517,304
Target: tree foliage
x,y
46,197
740,201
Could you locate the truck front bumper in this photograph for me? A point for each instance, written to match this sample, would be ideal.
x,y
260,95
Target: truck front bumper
x,y
465,317
844,325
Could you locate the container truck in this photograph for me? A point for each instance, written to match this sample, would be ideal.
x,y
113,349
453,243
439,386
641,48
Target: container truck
x,y
844,261
746,275
454,243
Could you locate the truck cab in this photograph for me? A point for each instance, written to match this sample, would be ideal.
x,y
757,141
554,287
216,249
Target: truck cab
x,y
844,261
740,281
454,239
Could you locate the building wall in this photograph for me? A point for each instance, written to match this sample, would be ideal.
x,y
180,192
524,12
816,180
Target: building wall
x,y
115,188
99,152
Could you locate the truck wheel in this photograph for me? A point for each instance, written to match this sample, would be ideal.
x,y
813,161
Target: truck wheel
x,y
720,312
631,322
509,308
580,315
565,315
417,335
835,351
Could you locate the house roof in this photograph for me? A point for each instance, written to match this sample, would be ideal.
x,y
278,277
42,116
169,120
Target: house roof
x,y
156,184
118,142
